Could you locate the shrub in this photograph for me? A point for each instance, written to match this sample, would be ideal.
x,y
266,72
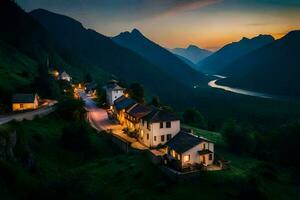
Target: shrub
x,y
71,109
75,137
193,117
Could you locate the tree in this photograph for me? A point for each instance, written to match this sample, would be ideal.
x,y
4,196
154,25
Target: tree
x,y
193,117
71,109
136,92
238,139
155,101
88,78
75,137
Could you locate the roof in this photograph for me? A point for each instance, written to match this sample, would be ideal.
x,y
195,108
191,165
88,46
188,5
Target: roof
x,y
138,110
184,141
91,86
114,86
123,103
23,98
158,115
204,152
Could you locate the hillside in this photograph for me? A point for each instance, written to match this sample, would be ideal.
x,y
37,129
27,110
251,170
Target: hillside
x,y
87,47
159,56
217,62
274,68
192,53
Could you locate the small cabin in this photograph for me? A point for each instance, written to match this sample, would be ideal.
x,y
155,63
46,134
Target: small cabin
x,y
113,92
25,102
64,76
187,150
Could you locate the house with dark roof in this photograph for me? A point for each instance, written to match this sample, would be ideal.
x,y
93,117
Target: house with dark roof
x,y
64,76
134,114
113,91
188,150
25,102
121,105
91,88
158,127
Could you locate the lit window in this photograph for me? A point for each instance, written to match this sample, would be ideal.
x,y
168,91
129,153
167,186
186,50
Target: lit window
x,y
173,153
21,105
186,158
178,156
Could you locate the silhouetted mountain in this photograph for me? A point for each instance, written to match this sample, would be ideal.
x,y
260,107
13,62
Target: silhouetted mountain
x,y
231,52
187,61
192,53
159,56
274,68
89,48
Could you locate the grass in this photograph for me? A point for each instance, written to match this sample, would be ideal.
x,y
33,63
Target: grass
x,y
110,174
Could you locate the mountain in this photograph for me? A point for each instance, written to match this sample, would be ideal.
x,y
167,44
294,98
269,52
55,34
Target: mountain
x,y
192,53
159,56
187,61
92,50
273,68
216,63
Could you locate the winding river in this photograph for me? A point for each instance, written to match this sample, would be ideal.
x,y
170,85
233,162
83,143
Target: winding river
x,y
214,84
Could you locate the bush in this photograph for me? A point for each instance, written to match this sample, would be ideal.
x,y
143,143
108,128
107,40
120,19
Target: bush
x,y
71,109
75,137
239,140
193,117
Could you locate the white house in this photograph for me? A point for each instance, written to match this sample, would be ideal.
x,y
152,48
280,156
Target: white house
x,y
188,150
158,127
64,76
113,92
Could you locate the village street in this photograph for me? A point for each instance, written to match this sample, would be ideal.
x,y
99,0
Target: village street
x,y
99,120
30,115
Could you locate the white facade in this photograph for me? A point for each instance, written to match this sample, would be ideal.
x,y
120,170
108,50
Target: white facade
x,y
113,94
192,156
153,134
64,76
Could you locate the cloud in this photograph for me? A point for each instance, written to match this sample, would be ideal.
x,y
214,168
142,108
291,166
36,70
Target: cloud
x,y
180,6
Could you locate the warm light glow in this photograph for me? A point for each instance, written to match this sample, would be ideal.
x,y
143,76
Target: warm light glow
x,y
186,158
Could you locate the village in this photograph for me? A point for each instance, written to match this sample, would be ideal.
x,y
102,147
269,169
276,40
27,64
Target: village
x,y
135,125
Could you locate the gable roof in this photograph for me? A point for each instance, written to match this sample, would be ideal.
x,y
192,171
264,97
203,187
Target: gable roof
x,y
184,141
23,98
158,115
138,110
123,103
114,86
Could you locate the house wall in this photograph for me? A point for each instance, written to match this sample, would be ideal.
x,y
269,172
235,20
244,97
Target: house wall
x,y
195,157
112,95
26,106
156,131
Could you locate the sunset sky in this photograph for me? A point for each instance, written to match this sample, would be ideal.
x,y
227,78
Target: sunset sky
x,y
178,23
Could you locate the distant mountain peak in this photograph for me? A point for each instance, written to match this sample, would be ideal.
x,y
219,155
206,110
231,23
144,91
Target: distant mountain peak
x,y
136,31
192,46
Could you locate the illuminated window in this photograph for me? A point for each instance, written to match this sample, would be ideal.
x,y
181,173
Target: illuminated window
x,y
173,153
178,156
21,105
186,158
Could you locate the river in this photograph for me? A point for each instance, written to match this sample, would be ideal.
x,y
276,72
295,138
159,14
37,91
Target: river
x,y
214,84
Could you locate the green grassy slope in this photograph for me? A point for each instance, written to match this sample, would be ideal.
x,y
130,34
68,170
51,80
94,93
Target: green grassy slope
x,y
111,174
16,69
